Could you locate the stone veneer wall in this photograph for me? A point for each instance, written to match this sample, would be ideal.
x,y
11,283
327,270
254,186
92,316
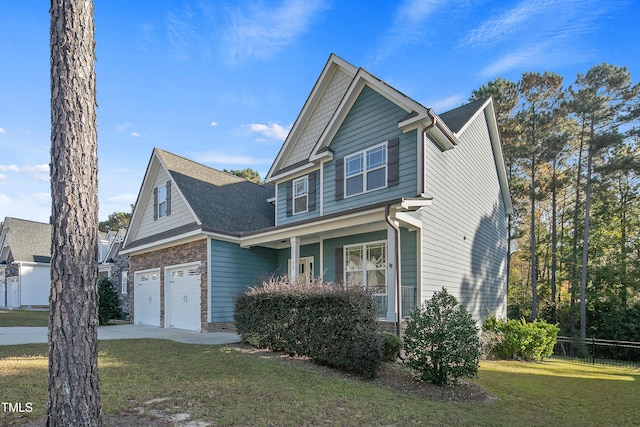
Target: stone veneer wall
x,y
180,254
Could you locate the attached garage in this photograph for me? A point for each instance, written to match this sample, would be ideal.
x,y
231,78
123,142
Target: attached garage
x,y
146,309
183,297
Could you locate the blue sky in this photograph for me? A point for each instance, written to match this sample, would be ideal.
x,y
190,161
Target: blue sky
x,y
221,82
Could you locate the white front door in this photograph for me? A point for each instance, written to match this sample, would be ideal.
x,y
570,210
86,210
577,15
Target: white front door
x,y
13,292
146,298
182,298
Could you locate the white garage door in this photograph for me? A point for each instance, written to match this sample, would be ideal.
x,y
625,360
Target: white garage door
x,y
182,298
146,305
3,292
13,292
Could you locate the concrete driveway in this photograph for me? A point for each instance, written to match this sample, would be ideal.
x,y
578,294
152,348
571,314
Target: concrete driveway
x,y
34,335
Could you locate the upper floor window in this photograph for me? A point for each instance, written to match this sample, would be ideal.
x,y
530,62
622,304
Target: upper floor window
x,y
366,170
162,201
301,195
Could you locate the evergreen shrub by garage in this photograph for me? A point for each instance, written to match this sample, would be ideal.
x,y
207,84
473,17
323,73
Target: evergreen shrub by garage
x,y
328,323
109,301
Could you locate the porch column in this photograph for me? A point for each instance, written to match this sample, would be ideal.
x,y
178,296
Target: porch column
x,y
295,258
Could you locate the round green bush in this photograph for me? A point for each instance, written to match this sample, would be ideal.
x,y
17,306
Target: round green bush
x,y
442,341
391,346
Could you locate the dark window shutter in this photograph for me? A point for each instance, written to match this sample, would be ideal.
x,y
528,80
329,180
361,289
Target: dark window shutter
x,y
168,198
289,198
340,178
155,204
312,191
393,165
339,265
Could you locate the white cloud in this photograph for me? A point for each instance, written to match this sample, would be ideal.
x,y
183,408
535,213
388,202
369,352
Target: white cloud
x,y
123,126
409,26
2,130
135,134
272,130
214,123
3,176
442,105
263,30
10,168
39,172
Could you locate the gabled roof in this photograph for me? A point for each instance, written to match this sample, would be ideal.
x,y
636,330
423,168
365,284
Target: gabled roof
x,y
457,118
327,120
220,202
29,241
460,118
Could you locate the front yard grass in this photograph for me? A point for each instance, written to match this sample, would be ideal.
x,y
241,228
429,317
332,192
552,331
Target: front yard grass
x,y
24,318
224,386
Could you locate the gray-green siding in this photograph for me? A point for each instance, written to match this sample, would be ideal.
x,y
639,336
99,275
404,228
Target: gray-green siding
x,y
233,269
464,235
372,120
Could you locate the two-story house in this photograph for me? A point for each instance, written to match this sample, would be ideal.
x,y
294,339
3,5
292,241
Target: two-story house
x,y
370,188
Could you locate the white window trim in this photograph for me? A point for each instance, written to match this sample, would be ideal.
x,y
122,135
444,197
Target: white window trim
x,y
364,246
304,179
365,170
124,282
162,201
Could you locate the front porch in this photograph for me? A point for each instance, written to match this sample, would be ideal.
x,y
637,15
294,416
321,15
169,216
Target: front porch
x,y
377,249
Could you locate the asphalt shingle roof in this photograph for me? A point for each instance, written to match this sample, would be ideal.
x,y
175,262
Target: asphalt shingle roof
x,y
455,119
29,241
223,202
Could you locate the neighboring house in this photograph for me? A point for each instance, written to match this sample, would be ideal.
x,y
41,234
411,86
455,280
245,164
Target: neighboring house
x,y
115,266
25,257
370,188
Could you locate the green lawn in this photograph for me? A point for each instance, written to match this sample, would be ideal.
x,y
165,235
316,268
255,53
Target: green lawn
x,y
225,386
24,318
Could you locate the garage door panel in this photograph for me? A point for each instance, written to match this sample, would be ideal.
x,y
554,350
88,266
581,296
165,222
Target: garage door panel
x,y
147,298
183,298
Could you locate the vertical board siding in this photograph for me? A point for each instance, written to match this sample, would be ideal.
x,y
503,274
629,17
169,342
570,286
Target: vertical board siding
x,y
180,213
465,229
233,269
372,120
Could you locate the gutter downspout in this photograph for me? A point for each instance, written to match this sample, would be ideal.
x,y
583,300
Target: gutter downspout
x,y
396,229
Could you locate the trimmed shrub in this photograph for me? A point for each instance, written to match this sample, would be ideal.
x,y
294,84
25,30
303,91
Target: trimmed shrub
x,y
332,325
109,301
517,339
391,346
441,340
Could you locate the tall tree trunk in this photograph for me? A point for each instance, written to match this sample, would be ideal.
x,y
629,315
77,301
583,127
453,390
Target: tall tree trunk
x,y
554,242
585,249
534,271
574,245
74,398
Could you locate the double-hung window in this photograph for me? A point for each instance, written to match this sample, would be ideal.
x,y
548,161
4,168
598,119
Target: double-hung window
x,y
301,195
366,170
366,266
162,201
